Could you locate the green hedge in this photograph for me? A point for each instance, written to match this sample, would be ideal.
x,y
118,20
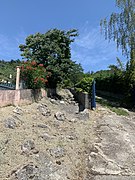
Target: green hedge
x,y
85,85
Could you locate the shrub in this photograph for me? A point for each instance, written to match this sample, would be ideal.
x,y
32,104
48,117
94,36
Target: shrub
x,y
34,75
85,85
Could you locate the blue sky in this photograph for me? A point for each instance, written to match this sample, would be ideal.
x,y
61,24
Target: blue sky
x,y
20,18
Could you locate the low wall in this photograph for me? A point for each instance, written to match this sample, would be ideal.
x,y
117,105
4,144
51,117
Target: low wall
x,y
20,97
82,98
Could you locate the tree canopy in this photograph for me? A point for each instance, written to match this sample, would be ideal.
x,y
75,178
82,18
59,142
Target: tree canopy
x,y
53,44
52,49
121,26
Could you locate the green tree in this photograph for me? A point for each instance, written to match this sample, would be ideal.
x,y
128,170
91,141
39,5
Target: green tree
x,y
112,80
121,26
53,50
75,75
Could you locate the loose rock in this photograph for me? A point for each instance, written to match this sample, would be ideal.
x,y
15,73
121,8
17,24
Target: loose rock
x,y
42,126
53,101
57,152
46,137
28,146
18,110
84,115
62,102
60,116
44,110
26,172
10,123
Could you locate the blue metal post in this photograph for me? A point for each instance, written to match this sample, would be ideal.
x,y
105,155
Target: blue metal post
x,y
93,97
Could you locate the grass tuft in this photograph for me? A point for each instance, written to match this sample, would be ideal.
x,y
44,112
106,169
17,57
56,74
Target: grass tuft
x,y
114,107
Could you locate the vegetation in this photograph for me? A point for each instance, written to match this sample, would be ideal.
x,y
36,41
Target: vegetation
x,y
48,61
121,26
112,80
48,58
34,75
75,75
85,85
52,49
113,106
31,70
8,70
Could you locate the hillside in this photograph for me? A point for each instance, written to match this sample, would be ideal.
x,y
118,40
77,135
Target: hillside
x,y
51,140
8,70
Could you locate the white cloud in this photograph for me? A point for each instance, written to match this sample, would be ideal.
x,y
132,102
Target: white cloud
x,y
93,51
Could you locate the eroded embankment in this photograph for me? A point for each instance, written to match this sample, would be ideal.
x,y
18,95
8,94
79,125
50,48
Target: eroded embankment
x,y
52,140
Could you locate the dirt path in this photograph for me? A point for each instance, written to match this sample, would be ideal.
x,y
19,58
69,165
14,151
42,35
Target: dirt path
x,y
50,140
113,157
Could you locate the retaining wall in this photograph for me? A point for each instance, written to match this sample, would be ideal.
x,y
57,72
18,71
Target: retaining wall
x,y
20,97
28,96
83,99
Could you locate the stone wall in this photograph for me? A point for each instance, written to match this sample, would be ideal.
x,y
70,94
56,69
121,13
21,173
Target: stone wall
x,y
20,97
82,98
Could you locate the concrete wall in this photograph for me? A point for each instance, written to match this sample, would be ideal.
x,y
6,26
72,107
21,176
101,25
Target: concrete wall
x,y
28,96
82,98
20,97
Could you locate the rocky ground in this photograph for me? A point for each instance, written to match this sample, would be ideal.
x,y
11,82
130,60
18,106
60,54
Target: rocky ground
x,y
52,140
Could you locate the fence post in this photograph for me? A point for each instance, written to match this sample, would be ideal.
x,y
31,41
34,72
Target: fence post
x,y
93,97
17,77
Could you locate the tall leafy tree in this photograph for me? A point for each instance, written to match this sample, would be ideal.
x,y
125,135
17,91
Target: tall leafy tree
x,y
121,26
53,50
